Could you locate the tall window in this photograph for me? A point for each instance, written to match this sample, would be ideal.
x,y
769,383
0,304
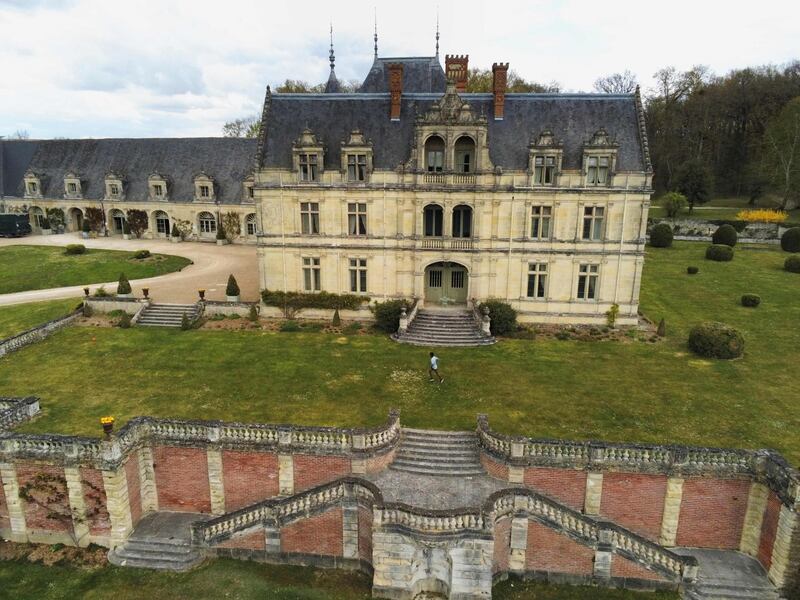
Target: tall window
x,y
358,275
462,222
72,188
357,218
587,282
205,191
38,218
32,187
311,275
465,155
597,173
158,190
308,167
541,218
162,223
433,218
250,192
250,224
537,280
593,217
434,154
309,217
544,170
357,167
208,224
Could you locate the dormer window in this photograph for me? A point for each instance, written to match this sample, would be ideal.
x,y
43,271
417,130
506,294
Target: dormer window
x,y
33,185
599,159
250,192
308,152
544,170
158,187
357,157
204,190
308,167
597,170
465,155
545,158
114,186
434,154
356,167
72,186
33,188
158,190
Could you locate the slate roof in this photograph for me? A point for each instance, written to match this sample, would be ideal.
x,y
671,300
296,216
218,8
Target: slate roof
x,y
423,75
573,118
228,160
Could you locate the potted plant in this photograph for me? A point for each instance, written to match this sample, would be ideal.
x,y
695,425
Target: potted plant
x,y
202,294
126,231
175,235
46,227
124,287
232,289
221,239
146,293
85,229
108,425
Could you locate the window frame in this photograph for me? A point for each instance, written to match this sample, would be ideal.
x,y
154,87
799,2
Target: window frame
x,y
357,270
310,223
434,208
205,224
461,210
538,279
589,280
540,220
312,274
357,166
593,226
357,225
308,166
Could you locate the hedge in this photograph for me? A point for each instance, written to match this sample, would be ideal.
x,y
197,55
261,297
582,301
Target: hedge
x,y
790,240
141,254
299,300
661,236
725,234
73,249
387,314
716,340
503,317
719,253
792,264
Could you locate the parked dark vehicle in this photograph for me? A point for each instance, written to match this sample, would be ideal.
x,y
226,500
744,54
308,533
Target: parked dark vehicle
x,y
14,225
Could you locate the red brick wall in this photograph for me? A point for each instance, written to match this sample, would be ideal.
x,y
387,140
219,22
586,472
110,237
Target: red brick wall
x,y
635,501
182,479
248,541
365,534
318,535
502,545
249,477
622,567
35,515
134,486
5,522
94,497
551,551
565,485
379,463
310,471
769,529
494,468
712,512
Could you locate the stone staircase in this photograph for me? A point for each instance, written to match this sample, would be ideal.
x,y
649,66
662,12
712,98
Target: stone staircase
x,y
161,541
444,328
729,575
167,315
445,453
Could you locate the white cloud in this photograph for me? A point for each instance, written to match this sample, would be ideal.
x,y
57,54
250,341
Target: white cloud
x,y
82,68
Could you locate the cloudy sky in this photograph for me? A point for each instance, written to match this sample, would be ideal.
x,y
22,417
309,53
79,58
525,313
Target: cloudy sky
x,y
110,68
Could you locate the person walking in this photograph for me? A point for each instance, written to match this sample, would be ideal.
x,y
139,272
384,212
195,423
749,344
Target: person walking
x,y
434,368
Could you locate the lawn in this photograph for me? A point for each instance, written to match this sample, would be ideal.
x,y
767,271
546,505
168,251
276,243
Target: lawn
x,y
16,318
25,268
624,391
239,580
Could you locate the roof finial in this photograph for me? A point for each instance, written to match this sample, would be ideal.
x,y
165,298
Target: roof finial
x,y
375,37
332,57
437,31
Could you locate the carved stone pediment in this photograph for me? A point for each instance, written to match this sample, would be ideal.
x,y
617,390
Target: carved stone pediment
x,y
546,139
451,109
307,139
601,139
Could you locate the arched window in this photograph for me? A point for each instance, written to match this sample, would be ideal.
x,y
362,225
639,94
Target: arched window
x,y
207,222
37,215
434,154
162,222
250,224
433,220
465,155
117,220
462,221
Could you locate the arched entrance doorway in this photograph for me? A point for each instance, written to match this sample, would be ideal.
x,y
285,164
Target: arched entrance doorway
x,y
76,219
446,283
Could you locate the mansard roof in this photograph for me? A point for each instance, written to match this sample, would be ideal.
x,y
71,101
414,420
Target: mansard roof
x,y
421,75
572,118
228,160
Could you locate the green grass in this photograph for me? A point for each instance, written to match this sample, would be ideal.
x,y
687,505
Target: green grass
x,y
544,388
25,268
16,318
722,208
239,580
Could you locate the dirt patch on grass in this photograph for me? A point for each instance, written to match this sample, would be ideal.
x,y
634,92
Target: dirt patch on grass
x,y
93,557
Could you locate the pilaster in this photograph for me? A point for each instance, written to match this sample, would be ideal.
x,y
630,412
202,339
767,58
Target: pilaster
x,y
754,518
519,544
350,530
147,480
216,484
672,511
272,538
16,510
603,555
786,550
119,506
77,505
516,474
286,474
594,493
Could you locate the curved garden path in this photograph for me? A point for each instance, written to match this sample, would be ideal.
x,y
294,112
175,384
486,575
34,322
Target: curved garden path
x,y
212,265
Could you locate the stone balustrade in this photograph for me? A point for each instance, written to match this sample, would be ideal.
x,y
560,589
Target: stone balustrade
x,y
14,411
36,334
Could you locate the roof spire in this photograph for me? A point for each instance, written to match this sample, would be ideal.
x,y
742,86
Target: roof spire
x,y
437,31
375,37
332,57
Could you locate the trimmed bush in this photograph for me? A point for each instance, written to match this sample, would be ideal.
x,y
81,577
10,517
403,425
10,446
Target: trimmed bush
x,y
790,240
124,286
176,233
253,314
503,317
719,253
232,289
294,301
290,326
124,321
661,236
716,340
792,264
73,249
387,314
725,234
692,270
101,292
337,320
221,232
751,300
141,254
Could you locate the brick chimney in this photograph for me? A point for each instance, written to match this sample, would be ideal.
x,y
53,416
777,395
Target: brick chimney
x,y
456,68
395,89
499,80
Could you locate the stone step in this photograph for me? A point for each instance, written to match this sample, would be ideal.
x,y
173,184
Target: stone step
x,y
167,315
733,593
445,343
432,328
439,439
155,553
437,470
156,565
154,545
444,455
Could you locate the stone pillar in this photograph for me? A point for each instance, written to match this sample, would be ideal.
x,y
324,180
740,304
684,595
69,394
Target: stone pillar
x,y
754,518
216,484
519,544
471,570
147,480
516,474
786,550
272,538
16,510
594,493
119,506
350,530
603,554
672,511
286,474
77,505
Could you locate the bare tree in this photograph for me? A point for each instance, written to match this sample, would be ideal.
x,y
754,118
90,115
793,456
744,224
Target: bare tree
x,y
20,134
783,150
616,83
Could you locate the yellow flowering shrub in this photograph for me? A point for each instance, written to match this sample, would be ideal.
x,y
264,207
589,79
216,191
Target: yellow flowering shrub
x,y
762,215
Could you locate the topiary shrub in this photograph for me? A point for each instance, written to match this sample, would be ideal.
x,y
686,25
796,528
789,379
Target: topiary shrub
x,y
337,320
503,317
662,328
73,249
725,234
176,233
716,340
124,286
221,232
141,254
792,264
790,240
387,314
661,236
232,289
751,300
124,321
692,270
719,253
253,315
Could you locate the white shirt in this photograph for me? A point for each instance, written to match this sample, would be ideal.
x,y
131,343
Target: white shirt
x,y
434,362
